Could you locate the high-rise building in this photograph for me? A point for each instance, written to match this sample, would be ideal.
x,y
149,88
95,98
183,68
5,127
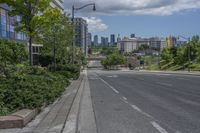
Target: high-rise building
x,y
118,38
89,40
104,41
96,41
132,35
112,39
81,34
58,4
7,25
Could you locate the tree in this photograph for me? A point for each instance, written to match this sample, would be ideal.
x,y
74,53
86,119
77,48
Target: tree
x,y
143,47
166,55
113,60
55,33
27,9
11,53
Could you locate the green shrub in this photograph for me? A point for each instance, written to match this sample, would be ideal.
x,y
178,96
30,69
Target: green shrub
x,y
70,71
30,87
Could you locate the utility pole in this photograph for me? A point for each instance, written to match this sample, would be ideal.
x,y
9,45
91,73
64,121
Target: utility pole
x,y
73,25
189,55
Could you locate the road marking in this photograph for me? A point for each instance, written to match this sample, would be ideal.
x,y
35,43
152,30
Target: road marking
x,y
109,86
158,127
165,84
136,108
124,98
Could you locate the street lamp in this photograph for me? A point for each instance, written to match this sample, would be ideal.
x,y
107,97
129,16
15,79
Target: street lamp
x,y
73,10
189,51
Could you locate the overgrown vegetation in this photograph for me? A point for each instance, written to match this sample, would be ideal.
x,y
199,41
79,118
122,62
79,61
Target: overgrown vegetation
x,y
113,59
24,86
180,58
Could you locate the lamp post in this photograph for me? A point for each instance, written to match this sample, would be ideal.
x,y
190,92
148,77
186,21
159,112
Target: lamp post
x,y
73,10
189,50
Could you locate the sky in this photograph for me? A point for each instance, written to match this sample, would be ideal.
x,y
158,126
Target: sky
x,y
144,18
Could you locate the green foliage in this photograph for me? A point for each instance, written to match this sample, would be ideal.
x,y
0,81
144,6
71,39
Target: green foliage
x,y
29,87
69,71
144,47
27,10
178,57
11,53
108,50
113,60
55,33
166,55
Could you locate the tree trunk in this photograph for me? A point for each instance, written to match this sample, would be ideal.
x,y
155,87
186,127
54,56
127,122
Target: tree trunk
x,y
30,51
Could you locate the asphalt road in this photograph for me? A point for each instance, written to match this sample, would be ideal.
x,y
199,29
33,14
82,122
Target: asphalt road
x,y
140,102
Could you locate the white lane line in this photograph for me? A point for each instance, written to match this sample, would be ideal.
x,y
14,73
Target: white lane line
x,y
136,108
124,98
140,111
165,84
109,86
158,127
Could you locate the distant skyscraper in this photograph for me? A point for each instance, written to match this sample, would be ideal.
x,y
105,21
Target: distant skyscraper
x,y
89,39
118,38
104,41
132,35
112,39
96,41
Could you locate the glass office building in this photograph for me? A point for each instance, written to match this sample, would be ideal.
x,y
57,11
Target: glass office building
x,y
7,25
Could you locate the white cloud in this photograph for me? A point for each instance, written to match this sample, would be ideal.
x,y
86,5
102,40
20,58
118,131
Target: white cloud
x,y
135,7
95,24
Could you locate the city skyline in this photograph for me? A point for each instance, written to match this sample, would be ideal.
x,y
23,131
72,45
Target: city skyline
x,y
159,18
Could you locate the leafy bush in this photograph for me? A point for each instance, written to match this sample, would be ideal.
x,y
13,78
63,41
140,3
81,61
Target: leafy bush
x,y
113,60
70,71
12,52
29,87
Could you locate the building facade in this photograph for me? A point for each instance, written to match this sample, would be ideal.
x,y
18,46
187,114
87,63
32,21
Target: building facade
x,y
112,39
58,4
171,41
7,25
81,34
104,42
89,41
132,36
128,45
96,40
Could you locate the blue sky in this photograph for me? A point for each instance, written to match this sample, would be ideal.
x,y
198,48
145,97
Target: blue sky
x,y
145,18
186,24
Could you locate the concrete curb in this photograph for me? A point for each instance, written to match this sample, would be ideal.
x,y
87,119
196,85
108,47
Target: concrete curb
x,y
86,120
18,119
72,119
175,72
